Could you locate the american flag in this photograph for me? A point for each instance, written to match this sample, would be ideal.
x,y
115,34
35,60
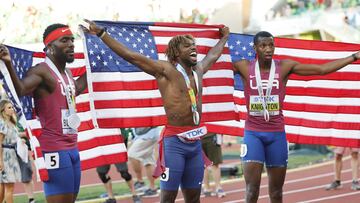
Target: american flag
x,y
317,109
124,96
97,146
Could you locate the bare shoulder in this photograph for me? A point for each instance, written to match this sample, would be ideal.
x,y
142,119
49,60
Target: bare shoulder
x,y
241,64
38,69
287,65
167,69
242,67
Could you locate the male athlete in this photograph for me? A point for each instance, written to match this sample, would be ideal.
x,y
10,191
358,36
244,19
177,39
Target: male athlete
x,y
265,142
180,84
54,90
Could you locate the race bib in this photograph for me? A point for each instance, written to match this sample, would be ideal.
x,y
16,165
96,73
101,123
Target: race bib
x,y
243,150
165,176
256,107
65,122
51,160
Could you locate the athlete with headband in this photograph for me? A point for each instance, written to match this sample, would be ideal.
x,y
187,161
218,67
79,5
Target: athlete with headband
x,y
264,82
180,84
54,90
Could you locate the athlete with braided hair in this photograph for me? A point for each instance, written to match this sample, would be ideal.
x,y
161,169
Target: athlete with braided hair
x,y
180,83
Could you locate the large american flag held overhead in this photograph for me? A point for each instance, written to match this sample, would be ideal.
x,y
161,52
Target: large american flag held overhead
x,y
97,146
123,95
317,109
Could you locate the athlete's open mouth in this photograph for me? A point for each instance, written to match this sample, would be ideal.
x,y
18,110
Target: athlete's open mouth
x,y
193,56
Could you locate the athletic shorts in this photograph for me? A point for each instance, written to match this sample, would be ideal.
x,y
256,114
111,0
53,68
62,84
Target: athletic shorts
x,y
270,148
26,171
119,167
64,172
184,165
341,150
143,150
211,149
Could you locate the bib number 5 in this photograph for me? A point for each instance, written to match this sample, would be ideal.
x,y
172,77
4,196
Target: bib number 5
x,y
52,160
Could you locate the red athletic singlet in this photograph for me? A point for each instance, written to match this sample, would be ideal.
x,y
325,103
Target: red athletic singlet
x,y
51,110
255,120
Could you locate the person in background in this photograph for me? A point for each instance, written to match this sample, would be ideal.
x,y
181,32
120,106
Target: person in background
x,y
142,153
339,152
27,168
122,168
9,165
211,145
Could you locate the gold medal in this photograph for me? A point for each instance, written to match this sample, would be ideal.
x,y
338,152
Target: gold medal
x,y
196,117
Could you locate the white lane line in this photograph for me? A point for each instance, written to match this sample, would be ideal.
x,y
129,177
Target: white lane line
x,y
286,182
294,191
332,197
290,182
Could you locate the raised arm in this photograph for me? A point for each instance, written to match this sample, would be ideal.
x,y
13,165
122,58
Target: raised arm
x,y
28,84
314,69
215,52
149,66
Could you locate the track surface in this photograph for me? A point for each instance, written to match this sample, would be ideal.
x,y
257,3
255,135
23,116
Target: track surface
x,y
301,185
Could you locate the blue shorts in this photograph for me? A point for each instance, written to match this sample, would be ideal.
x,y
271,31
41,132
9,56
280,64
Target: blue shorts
x,y
270,148
184,163
64,172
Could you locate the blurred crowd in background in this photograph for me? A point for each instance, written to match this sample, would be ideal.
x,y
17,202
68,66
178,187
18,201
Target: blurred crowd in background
x,y
23,21
288,8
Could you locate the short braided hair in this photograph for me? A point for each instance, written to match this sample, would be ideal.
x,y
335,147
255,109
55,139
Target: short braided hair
x,y
173,46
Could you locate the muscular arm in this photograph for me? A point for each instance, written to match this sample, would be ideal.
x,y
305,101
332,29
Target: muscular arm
x,y
314,69
241,67
215,52
28,84
149,66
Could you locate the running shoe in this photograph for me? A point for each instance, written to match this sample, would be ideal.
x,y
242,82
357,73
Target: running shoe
x,y
206,193
355,185
139,186
220,193
150,193
333,186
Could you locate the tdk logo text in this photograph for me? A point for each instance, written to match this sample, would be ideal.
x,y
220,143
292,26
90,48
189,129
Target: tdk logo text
x,y
195,133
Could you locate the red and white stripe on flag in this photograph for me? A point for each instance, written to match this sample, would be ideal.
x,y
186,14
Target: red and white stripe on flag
x,y
132,98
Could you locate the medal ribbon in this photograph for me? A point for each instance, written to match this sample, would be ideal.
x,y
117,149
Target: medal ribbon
x,y
190,90
70,96
268,89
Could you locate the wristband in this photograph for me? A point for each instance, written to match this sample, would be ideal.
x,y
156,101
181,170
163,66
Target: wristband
x,y
101,33
354,57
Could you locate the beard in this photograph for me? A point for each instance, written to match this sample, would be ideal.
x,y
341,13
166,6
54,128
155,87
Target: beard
x,y
70,59
67,57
